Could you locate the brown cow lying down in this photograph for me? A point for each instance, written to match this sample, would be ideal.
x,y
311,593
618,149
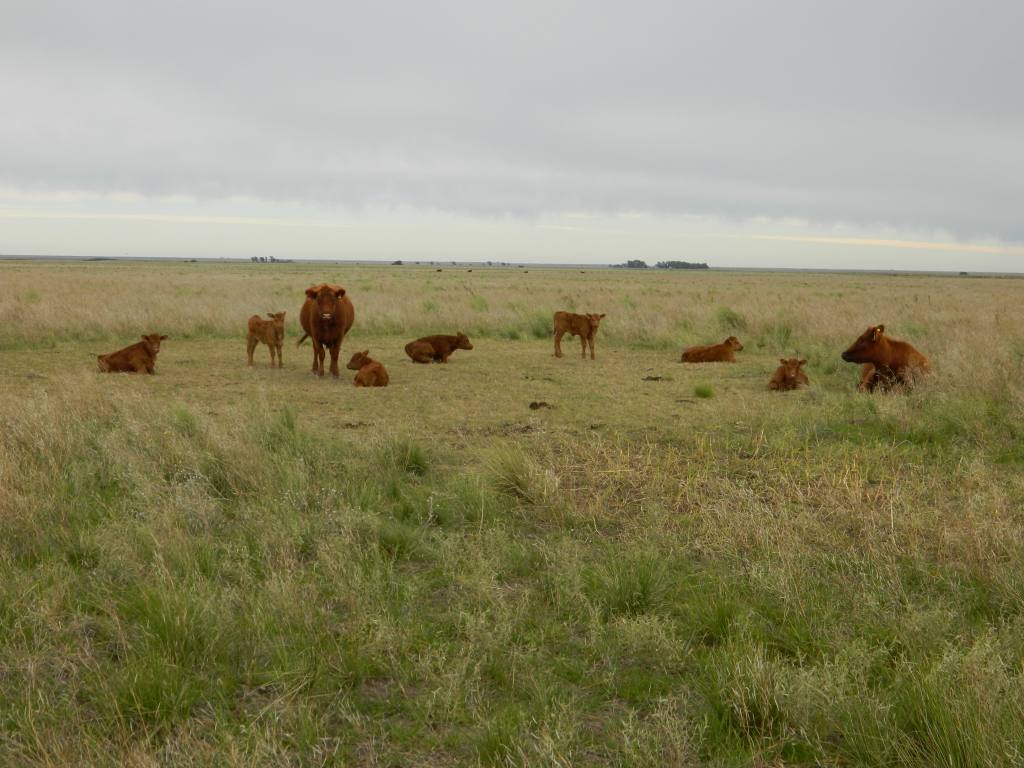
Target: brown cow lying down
x,y
789,375
713,353
436,348
140,357
270,332
887,362
584,326
370,372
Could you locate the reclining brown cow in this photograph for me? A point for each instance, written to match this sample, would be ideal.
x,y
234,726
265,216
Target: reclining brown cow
x,y
436,348
327,315
370,373
888,363
713,353
140,357
584,326
271,333
789,375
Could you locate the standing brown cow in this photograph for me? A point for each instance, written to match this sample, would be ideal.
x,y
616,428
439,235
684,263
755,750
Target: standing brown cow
x,y
789,375
140,357
271,333
370,372
887,362
326,316
584,326
713,353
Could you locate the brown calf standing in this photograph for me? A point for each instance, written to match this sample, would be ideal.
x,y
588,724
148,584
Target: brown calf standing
x,y
140,357
584,326
436,348
789,375
270,332
370,372
887,362
713,353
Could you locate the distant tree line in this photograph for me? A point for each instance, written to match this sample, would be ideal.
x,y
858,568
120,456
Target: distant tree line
x,y
640,264
681,265
268,260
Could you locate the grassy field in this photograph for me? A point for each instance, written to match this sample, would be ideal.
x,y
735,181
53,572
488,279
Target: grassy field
x,y
669,565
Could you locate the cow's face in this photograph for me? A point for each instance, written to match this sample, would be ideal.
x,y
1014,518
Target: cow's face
x,y
277,318
865,348
791,368
152,342
359,359
734,344
595,320
462,341
326,298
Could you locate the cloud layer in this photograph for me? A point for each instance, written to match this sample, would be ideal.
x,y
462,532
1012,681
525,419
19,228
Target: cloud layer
x,y
893,115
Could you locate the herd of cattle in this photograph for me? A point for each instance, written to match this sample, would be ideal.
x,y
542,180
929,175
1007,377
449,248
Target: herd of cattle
x,y
327,315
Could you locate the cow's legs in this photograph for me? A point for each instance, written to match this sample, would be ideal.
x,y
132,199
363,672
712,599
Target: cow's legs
x,y
583,347
273,355
280,355
590,341
335,349
250,345
318,358
558,343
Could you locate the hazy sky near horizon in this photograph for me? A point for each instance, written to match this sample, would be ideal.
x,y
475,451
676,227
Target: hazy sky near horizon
x,y
790,134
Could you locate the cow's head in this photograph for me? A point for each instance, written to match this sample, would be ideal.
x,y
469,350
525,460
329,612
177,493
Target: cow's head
x,y
595,320
791,368
326,297
277,318
152,342
462,341
359,359
734,344
865,348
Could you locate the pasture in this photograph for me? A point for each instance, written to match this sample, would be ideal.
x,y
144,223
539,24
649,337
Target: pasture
x,y
663,564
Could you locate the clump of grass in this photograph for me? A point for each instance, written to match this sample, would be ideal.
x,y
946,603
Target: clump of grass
x,y
731,320
478,303
628,585
516,473
404,455
540,325
703,391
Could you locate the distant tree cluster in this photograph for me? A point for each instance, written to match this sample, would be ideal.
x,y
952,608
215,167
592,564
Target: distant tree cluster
x,y
632,264
268,260
681,265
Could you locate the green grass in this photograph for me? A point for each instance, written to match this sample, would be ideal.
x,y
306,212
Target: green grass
x,y
220,565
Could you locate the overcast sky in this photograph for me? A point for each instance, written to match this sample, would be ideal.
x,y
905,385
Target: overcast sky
x,y
817,133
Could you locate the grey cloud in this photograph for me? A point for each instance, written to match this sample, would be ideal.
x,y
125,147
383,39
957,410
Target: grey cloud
x,y
896,114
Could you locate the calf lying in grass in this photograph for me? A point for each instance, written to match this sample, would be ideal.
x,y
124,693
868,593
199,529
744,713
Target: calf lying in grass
x,y
888,363
270,332
140,357
713,353
370,373
789,375
436,348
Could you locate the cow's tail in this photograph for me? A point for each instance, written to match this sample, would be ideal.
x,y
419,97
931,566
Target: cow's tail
x,y
304,337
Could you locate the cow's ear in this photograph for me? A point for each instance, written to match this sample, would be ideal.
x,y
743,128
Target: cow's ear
x,y
271,315
144,338
783,361
601,315
365,353
162,338
339,292
802,361
311,292
879,330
